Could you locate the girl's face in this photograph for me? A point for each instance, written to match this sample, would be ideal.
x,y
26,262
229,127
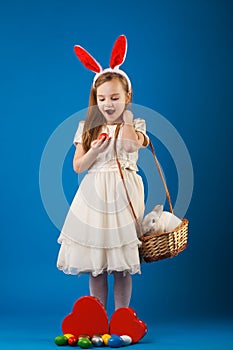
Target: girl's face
x,y
111,100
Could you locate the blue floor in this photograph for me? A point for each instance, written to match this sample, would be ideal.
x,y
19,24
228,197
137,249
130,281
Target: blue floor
x,y
187,335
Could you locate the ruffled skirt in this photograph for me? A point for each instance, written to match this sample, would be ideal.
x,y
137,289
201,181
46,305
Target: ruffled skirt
x,y
99,233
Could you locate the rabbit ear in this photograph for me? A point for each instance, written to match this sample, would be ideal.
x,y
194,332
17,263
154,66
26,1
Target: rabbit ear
x,y
87,60
158,209
118,52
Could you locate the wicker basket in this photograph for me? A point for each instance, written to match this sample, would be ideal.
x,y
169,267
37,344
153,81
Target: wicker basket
x,y
158,246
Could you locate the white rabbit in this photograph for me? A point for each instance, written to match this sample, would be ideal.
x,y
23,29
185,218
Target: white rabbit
x,y
159,221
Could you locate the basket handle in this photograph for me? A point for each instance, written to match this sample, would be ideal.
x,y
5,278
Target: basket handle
x,y
124,184
162,177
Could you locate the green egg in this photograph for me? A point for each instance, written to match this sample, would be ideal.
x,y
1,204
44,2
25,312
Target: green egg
x,y
60,340
84,343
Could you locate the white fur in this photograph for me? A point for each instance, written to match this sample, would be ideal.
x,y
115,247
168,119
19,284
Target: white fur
x,y
159,221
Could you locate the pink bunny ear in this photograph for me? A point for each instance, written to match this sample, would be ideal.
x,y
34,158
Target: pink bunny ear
x,y
118,52
87,60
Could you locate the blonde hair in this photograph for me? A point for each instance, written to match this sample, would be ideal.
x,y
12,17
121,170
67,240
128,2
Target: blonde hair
x,y
95,119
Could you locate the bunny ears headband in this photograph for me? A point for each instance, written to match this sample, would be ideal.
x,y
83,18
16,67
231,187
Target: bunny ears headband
x,y
117,58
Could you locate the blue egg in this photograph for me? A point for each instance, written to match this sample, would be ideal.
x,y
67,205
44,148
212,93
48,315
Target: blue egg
x,y
115,341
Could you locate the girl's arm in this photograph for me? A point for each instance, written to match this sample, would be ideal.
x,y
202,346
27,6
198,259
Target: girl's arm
x,y
132,139
83,160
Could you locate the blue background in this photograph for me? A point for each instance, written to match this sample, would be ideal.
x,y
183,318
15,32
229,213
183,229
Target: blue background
x,y
180,60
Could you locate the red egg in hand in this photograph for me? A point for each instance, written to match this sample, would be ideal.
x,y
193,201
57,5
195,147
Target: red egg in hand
x,y
104,135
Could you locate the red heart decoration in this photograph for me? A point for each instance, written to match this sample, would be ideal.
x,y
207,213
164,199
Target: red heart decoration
x,y
125,321
88,317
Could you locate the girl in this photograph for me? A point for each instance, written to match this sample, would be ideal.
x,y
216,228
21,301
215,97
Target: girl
x,y
99,234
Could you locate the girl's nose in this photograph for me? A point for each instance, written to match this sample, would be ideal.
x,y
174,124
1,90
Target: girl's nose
x,y
108,104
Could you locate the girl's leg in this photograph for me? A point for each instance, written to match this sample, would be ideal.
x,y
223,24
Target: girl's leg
x,y
99,287
122,289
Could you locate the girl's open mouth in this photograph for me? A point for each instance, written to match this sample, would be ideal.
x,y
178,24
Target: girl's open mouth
x,y
109,111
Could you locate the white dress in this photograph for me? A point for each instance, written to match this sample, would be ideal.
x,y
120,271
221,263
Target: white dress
x,y
99,232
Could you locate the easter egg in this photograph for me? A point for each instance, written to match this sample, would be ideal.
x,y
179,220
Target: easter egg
x,y
127,340
104,135
97,340
67,335
84,343
105,338
83,336
115,341
60,340
72,341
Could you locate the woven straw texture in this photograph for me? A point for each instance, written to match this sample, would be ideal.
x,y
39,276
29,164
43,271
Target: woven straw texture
x,y
164,245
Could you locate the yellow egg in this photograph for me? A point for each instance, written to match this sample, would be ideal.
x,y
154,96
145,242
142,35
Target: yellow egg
x,y
105,338
68,335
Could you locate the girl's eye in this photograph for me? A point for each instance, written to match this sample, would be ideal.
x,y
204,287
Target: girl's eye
x,y
115,98
101,99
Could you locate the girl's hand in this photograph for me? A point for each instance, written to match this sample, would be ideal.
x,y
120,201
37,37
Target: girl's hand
x,y
100,145
128,116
